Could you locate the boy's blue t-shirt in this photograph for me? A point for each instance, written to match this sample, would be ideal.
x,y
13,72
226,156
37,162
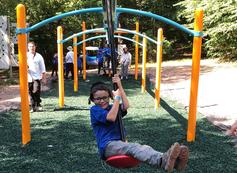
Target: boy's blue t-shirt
x,y
99,56
107,52
79,62
104,131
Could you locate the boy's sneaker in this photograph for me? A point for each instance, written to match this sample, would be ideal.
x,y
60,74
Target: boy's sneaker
x,y
181,162
40,108
31,110
34,109
170,156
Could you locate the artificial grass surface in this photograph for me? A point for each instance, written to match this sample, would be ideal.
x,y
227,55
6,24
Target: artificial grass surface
x,y
62,139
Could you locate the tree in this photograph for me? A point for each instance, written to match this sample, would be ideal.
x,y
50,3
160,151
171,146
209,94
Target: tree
x,y
219,25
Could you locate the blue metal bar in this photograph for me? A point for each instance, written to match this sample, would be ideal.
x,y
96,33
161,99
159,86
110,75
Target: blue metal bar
x,y
58,17
118,11
104,36
160,18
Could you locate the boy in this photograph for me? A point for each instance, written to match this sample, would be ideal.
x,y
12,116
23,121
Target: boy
x,y
106,129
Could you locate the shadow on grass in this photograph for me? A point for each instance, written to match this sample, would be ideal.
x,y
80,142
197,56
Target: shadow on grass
x,y
174,113
62,141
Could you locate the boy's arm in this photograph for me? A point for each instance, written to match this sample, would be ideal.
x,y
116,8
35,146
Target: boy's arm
x,y
112,115
125,101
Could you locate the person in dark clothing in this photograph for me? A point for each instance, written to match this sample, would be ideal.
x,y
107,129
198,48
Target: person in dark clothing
x,y
55,65
100,60
79,64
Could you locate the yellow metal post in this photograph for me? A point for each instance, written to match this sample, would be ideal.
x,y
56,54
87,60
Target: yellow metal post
x,y
22,48
84,50
75,64
136,51
144,65
60,66
197,44
158,67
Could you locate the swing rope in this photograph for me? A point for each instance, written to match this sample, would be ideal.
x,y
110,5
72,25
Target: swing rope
x,y
109,9
120,161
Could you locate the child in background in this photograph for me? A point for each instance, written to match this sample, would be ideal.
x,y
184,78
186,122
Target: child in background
x,y
55,65
100,60
106,130
79,64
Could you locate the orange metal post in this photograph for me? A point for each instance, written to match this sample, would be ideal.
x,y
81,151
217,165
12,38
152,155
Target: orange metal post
x,y
158,67
144,65
136,51
84,50
197,44
75,64
22,48
60,66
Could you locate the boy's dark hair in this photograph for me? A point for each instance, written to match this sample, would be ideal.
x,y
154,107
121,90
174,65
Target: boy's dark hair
x,y
99,86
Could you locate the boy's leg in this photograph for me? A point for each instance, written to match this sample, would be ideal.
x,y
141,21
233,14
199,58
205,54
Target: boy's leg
x,y
126,71
37,93
72,71
52,72
145,153
67,70
99,67
32,102
56,69
122,71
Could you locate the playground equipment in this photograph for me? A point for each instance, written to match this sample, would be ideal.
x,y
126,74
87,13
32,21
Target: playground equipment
x,y
158,67
8,58
5,42
96,30
159,43
22,42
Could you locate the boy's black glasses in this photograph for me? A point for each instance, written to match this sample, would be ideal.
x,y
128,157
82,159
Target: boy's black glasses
x,y
101,98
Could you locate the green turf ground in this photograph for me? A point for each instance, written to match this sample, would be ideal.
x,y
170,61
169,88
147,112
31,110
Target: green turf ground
x,y
63,142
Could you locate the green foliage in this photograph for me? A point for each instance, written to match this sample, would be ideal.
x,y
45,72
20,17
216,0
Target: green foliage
x,y
168,50
7,8
219,25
